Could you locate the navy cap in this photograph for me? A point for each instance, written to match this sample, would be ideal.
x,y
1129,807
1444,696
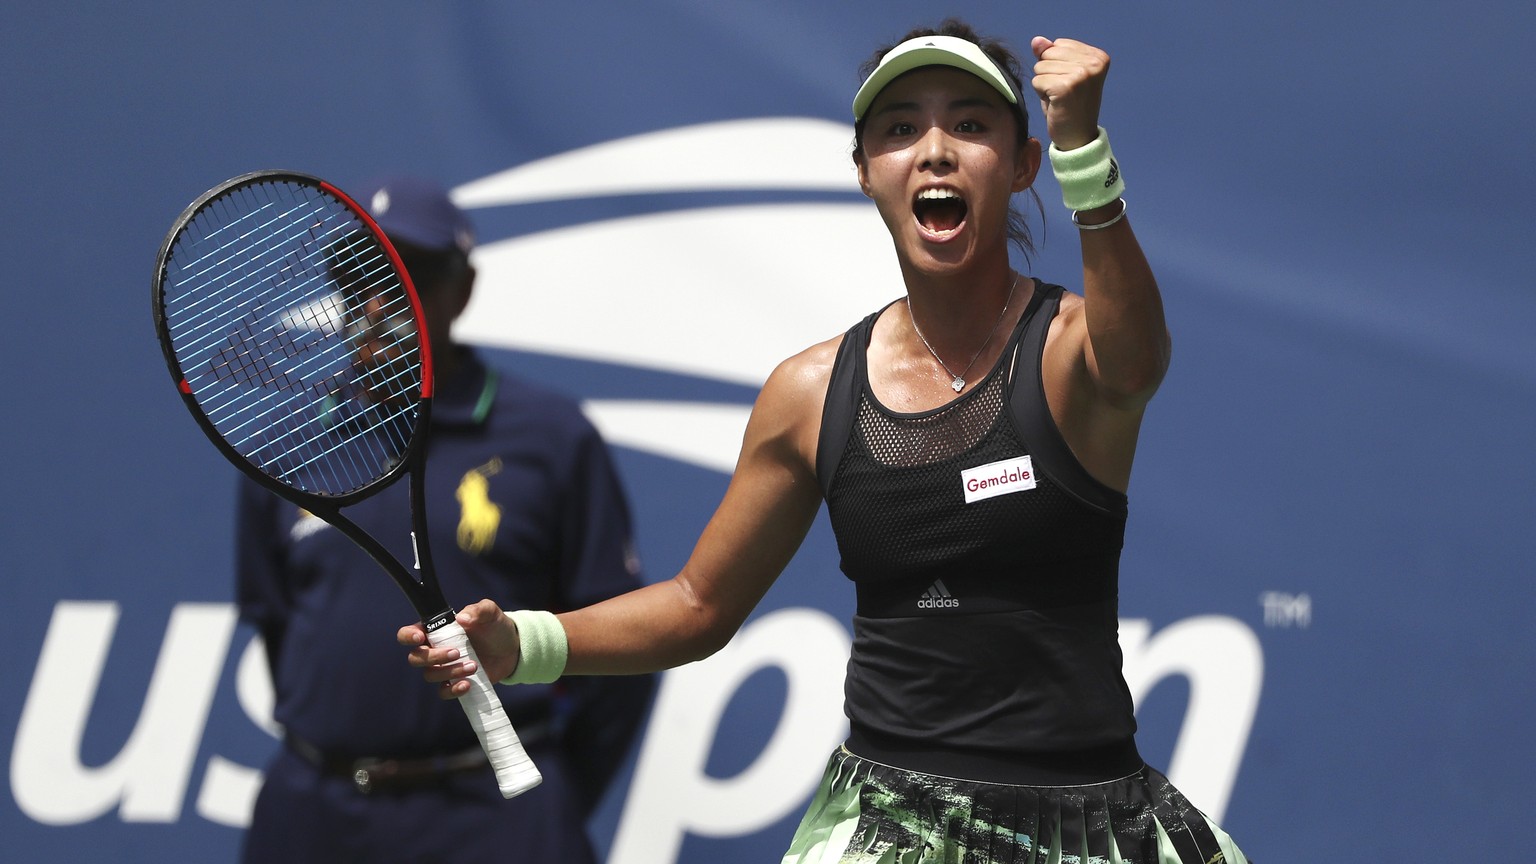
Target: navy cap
x,y
419,212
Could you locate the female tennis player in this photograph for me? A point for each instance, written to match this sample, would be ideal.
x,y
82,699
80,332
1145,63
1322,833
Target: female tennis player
x,y
973,441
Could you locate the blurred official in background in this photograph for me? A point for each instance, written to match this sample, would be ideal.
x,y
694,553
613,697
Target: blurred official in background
x,y
524,506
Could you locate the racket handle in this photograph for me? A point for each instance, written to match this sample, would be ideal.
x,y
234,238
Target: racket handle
x,y
515,772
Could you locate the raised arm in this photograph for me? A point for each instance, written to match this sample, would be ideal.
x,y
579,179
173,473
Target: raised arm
x,y
1107,352
767,509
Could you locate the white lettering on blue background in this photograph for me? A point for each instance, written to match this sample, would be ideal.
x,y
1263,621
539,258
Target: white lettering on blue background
x,y
147,779
670,796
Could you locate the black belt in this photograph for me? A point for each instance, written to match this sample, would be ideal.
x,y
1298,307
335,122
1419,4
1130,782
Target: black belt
x,y
387,774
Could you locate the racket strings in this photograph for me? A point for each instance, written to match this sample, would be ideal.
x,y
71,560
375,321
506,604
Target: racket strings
x,y
215,283
246,254
296,336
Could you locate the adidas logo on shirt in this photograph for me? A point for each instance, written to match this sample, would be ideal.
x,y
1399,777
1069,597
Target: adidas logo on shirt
x,y
937,597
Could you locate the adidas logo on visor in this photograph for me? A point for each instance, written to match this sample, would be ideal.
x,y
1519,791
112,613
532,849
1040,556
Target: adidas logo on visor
x,y
937,597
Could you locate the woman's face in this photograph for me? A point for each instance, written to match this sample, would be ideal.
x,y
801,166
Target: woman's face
x,y
941,159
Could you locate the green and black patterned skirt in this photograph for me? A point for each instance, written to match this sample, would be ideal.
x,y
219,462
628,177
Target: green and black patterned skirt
x,y
868,813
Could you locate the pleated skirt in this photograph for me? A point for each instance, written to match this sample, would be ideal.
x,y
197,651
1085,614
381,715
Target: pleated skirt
x,y
865,812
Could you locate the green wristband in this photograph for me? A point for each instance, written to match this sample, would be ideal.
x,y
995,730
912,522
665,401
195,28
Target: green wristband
x,y
1089,175
542,648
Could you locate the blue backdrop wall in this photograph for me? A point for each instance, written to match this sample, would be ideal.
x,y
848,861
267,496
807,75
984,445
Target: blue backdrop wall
x,y
1327,579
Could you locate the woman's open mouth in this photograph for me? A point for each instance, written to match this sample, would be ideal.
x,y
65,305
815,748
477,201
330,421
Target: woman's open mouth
x,y
940,211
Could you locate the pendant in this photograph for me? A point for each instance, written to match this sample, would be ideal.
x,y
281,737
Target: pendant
x,y
958,383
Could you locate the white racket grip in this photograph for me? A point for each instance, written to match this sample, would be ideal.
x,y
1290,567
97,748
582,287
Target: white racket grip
x,y
515,772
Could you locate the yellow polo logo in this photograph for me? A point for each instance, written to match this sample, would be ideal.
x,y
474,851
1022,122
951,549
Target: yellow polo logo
x,y
479,516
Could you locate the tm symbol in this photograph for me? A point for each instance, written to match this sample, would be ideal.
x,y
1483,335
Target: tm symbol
x,y
1284,611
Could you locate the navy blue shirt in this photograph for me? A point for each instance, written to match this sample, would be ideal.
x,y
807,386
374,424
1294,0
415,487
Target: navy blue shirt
x,y
524,507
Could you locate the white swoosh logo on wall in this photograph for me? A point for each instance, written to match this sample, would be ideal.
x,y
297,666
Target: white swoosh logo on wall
x,y
787,153
706,434
719,292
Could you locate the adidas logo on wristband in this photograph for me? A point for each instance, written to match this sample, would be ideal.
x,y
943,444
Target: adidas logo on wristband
x,y
1114,173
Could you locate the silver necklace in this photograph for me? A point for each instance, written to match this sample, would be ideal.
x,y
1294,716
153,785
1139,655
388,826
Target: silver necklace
x,y
958,383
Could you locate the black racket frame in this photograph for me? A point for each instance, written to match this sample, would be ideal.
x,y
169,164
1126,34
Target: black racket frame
x,y
424,593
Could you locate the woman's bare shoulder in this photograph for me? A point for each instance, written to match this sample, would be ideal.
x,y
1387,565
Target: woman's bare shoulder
x,y
810,368
788,409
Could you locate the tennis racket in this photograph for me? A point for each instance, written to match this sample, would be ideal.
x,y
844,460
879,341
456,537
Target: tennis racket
x,y
296,339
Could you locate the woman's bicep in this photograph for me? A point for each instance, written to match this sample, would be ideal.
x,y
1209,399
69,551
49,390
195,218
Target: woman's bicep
x,y
767,509
760,523
769,504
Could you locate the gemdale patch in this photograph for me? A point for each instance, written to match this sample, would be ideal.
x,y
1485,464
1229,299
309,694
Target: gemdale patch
x,y
997,478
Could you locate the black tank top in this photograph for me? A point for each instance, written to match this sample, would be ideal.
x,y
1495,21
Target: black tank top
x,y
986,562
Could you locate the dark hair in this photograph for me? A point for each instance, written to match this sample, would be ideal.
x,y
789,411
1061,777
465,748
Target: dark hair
x,y
1018,227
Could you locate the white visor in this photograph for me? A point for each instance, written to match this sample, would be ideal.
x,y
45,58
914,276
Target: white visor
x,y
931,51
